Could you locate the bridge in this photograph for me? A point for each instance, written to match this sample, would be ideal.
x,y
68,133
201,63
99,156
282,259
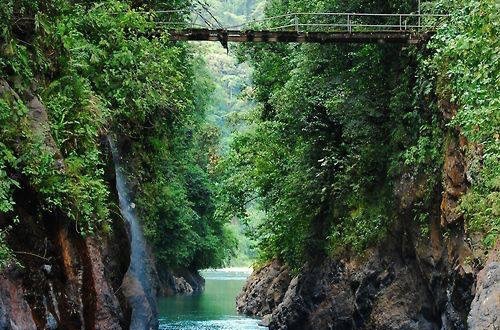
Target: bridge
x,y
199,24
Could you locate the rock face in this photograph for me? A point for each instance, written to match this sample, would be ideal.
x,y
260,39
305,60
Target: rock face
x,y
107,308
63,285
386,289
15,312
181,281
455,182
66,281
264,290
408,281
485,308
384,292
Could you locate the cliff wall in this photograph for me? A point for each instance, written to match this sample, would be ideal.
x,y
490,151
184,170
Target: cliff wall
x,y
61,280
444,279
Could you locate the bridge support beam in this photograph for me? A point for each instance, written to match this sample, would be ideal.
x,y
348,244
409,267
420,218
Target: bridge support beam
x,y
225,36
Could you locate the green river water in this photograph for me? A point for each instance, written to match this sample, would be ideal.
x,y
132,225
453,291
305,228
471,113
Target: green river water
x,y
214,309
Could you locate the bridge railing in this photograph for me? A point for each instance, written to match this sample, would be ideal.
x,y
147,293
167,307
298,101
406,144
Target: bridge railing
x,y
350,22
302,22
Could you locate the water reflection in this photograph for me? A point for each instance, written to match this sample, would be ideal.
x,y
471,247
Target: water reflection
x,y
227,324
214,309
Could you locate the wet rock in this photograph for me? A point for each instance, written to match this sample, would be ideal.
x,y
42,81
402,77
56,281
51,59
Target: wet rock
x,y
182,287
291,313
47,269
264,290
485,308
108,314
15,313
266,319
144,317
193,278
51,322
381,292
181,281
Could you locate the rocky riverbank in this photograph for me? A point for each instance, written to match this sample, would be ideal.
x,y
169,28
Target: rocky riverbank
x,y
442,280
390,287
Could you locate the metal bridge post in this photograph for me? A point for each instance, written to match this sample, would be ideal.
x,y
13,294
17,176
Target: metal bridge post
x,y
349,28
419,18
296,19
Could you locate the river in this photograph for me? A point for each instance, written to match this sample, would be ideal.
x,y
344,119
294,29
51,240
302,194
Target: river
x,y
214,309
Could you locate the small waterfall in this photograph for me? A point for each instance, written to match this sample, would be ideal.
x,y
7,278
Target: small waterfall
x,y
137,284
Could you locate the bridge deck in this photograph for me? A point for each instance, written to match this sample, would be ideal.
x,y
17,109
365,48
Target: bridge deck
x,y
225,36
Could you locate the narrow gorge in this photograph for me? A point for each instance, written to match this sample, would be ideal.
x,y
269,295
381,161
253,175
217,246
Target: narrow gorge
x,y
340,166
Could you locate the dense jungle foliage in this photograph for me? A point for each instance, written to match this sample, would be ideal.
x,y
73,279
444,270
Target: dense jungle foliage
x,y
231,98
309,159
337,127
98,73
467,66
